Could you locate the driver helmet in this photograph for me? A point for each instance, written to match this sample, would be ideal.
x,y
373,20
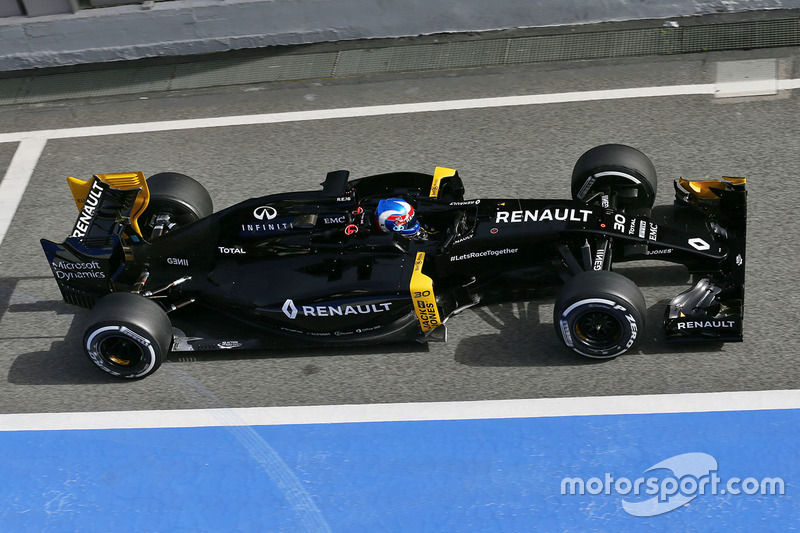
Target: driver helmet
x,y
396,215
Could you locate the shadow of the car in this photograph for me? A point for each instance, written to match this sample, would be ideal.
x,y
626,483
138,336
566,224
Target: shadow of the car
x,y
523,339
283,351
658,274
63,362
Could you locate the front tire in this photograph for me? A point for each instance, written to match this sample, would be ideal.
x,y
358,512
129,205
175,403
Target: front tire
x,y
128,335
600,314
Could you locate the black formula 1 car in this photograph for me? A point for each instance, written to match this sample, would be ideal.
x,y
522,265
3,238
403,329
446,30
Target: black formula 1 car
x,y
163,272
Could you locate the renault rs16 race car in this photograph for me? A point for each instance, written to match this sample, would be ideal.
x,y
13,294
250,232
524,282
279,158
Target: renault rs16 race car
x,y
391,257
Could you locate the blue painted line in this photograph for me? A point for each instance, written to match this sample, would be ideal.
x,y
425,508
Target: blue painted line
x,y
437,476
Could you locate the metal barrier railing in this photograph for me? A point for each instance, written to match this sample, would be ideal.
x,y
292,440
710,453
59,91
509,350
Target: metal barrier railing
x,y
36,8
274,64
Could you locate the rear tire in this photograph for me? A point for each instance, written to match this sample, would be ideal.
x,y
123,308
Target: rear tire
x,y
177,195
128,335
600,314
624,170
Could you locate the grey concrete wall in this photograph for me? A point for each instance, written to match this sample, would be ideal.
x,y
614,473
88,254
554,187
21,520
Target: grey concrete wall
x,y
184,27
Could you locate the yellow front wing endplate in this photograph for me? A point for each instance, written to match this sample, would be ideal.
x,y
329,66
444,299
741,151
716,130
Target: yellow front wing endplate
x,y
705,188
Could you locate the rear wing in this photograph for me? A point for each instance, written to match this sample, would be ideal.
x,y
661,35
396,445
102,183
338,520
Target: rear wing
x,y
107,202
713,309
87,262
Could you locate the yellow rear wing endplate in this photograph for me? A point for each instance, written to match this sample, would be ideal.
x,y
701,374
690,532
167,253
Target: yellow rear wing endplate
x,y
119,180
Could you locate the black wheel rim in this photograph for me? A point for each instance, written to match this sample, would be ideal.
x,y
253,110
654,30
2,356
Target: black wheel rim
x,y
121,353
598,329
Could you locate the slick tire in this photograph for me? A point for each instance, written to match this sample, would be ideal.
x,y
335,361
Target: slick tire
x,y
600,314
624,170
128,335
178,195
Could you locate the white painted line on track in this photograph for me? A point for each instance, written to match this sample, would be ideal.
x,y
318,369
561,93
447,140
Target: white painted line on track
x,y
368,111
788,85
747,88
32,142
756,77
16,179
408,412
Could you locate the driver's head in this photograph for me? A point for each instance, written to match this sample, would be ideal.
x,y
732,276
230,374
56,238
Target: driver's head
x,y
396,215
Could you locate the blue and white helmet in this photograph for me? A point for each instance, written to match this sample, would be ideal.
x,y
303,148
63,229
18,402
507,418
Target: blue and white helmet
x,y
396,215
